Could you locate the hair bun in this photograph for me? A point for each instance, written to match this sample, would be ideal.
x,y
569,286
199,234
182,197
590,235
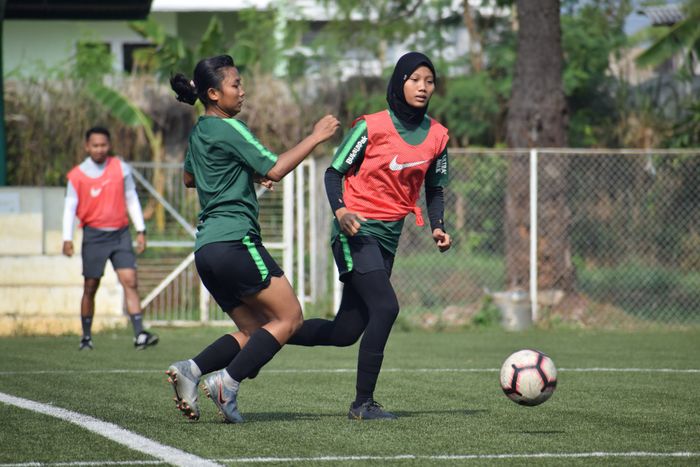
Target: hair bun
x,y
184,89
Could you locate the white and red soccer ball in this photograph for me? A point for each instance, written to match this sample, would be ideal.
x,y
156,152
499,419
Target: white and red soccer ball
x,y
528,377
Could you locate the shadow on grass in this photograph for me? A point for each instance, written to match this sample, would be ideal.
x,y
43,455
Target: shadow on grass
x,y
289,416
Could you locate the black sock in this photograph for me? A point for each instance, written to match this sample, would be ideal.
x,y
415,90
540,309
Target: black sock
x,y
218,355
259,350
137,323
87,325
368,366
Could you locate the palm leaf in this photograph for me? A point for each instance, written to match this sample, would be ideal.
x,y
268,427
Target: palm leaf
x,y
149,29
119,106
213,39
683,34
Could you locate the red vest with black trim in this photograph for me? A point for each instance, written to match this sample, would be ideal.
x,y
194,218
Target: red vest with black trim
x,y
101,201
387,185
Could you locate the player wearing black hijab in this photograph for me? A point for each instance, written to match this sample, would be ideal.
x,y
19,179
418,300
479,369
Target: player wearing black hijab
x,y
382,163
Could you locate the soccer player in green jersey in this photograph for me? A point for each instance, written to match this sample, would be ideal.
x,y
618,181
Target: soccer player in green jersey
x,y
372,184
223,161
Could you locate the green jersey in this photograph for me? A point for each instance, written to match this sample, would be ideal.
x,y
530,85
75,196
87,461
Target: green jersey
x,y
224,157
349,156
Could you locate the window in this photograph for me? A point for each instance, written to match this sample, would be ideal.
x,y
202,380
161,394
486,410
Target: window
x,y
134,56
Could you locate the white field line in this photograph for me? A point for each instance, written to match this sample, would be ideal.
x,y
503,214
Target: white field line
x,y
352,370
446,457
81,463
477,457
113,432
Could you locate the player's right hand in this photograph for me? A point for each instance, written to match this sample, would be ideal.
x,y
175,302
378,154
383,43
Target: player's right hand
x,y
349,221
326,127
68,248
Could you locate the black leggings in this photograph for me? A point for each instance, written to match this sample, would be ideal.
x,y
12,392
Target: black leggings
x,y
368,305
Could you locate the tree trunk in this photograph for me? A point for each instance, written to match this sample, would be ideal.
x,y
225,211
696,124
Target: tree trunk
x,y
537,117
475,46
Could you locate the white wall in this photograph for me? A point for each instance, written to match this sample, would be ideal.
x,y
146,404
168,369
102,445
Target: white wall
x,y
29,47
40,288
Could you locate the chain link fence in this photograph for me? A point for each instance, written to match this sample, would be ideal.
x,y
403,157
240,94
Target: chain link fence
x,y
634,236
633,231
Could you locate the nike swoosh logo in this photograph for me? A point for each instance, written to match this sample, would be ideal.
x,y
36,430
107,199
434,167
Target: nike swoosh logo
x,y
95,192
221,397
395,166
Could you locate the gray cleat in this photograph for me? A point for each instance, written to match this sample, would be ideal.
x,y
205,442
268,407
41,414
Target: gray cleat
x,y
184,384
223,397
370,410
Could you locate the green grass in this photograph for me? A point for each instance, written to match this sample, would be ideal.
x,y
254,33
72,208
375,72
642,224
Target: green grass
x,y
304,414
655,294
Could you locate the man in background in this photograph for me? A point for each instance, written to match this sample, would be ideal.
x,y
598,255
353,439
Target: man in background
x,y
100,192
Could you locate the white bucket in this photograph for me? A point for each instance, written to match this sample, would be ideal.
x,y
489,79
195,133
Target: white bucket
x,y
516,313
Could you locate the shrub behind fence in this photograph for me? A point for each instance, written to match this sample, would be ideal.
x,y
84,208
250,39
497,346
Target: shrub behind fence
x,y
634,235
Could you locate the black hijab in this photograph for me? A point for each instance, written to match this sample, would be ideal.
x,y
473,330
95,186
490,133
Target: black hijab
x,y
406,65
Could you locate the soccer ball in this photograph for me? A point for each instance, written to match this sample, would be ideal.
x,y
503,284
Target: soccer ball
x,y
528,377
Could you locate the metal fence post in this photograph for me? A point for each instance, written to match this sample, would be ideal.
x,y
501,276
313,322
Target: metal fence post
x,y
203,303
313,232
533,232
288,227
300,234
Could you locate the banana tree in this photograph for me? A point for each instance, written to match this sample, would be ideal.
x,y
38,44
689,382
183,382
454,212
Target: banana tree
x,y
683,37
128,113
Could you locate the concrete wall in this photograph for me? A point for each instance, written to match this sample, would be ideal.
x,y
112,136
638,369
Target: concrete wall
x,y
40,288
30,47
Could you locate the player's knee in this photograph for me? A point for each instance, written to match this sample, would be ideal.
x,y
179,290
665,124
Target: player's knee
x,y
347,338
296,322
90,288
130,283
388,310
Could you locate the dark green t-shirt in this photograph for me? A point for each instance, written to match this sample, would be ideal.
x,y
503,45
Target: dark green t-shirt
x,y
224,156
349,156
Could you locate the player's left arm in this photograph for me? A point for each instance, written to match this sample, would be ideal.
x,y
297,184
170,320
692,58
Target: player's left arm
x,y
133,206
435,179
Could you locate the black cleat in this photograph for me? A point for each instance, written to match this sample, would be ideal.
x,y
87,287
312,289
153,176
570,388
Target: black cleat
x,y
370,410
86,343
145,339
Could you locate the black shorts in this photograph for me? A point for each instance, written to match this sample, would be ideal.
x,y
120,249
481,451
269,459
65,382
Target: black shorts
x,y
235,269
99,245
360,253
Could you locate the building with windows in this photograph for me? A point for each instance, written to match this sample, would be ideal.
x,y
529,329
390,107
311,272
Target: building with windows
x,y
33,46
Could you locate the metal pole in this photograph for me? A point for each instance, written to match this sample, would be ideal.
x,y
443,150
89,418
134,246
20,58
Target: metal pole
x,y
533,232
301,266
203,303
288,227
313,231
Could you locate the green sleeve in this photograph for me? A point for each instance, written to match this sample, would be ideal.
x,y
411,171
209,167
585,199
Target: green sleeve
x,y
248,149
437,173
352,150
